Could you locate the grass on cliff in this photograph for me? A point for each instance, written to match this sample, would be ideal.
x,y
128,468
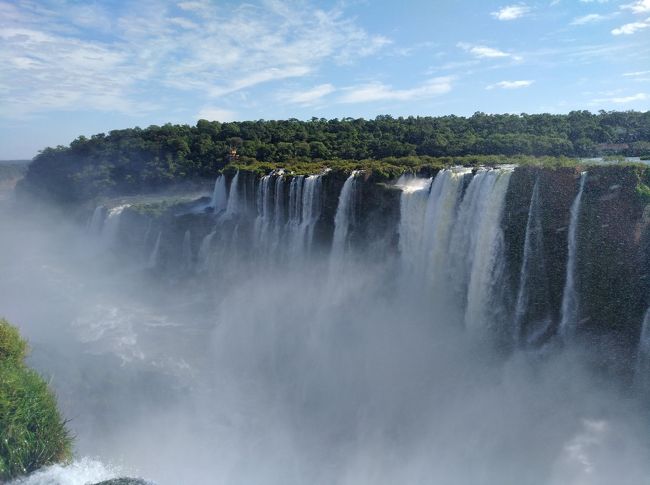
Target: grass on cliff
x,y
32,432
392,167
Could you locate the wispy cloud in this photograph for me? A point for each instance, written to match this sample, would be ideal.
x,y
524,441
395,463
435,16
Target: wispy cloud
x,y
511,12
50,62
588,19
640,6
483,51
309,96
621,99
381,92
214,113
636,74
632,27
511,84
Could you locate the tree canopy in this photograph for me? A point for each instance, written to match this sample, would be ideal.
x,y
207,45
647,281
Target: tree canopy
x,y
136,159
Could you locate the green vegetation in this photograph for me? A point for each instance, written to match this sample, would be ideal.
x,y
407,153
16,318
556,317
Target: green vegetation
x,y
137,160
32,433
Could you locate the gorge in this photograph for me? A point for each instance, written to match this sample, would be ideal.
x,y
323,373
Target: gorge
x,y
340,327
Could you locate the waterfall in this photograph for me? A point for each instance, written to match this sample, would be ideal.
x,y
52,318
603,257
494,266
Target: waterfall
x,y
111,226
308,210
219,200
186,255
235,203
570,311
642,373
451,242
278,216
487,252
345,214
155,251
203,258
96,221
533,286
264,202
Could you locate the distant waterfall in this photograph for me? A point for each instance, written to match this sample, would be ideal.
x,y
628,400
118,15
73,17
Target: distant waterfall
x,y
203,258
570,310
155,251
344,218
220,195
96,221
451,241
186,256
264,219
305,210
642,373
111,226
532,296
234,206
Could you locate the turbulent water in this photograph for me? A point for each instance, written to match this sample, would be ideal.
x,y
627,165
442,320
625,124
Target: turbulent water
x,y
280,350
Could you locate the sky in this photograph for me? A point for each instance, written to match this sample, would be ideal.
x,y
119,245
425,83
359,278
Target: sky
x,y
71,68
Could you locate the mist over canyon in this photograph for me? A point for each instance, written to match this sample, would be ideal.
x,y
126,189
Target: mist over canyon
x,y
467,325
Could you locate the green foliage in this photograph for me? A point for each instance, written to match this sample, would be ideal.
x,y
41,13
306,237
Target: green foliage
x,y
135,160
32,433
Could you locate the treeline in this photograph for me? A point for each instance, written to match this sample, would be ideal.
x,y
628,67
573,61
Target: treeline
x,y
138,159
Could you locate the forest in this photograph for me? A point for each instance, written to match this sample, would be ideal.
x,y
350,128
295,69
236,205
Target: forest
x,y
135,159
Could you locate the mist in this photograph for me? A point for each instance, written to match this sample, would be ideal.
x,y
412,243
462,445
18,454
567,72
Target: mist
x,y
296,371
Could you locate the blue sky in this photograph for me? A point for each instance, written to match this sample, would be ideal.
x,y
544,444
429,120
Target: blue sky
x,y
80,67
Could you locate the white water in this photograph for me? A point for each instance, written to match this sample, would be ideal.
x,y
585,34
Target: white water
x,y
186,255
235,203
111,225
345,215
451,240
96,221
79,472
219,195
532,265
642,370
569,309
155,252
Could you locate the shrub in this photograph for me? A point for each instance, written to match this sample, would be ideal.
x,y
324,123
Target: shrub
x,y
32,432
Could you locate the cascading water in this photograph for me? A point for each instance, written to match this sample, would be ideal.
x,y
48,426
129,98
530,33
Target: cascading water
x,y
111,226
487,256
344,219
532,296
155,252
310,211
451,240
642,371
235,203
186,255
96,221
569,309
219,200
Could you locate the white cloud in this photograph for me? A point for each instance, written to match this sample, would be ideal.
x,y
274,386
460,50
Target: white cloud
x,y
213,113
636,74
483,51
629,99
309,96
49,61
511,84
631,28
511,12
594,1
640,6
588,19
620,99
381,92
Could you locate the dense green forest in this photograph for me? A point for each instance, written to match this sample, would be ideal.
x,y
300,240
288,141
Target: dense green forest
x,y
132,160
